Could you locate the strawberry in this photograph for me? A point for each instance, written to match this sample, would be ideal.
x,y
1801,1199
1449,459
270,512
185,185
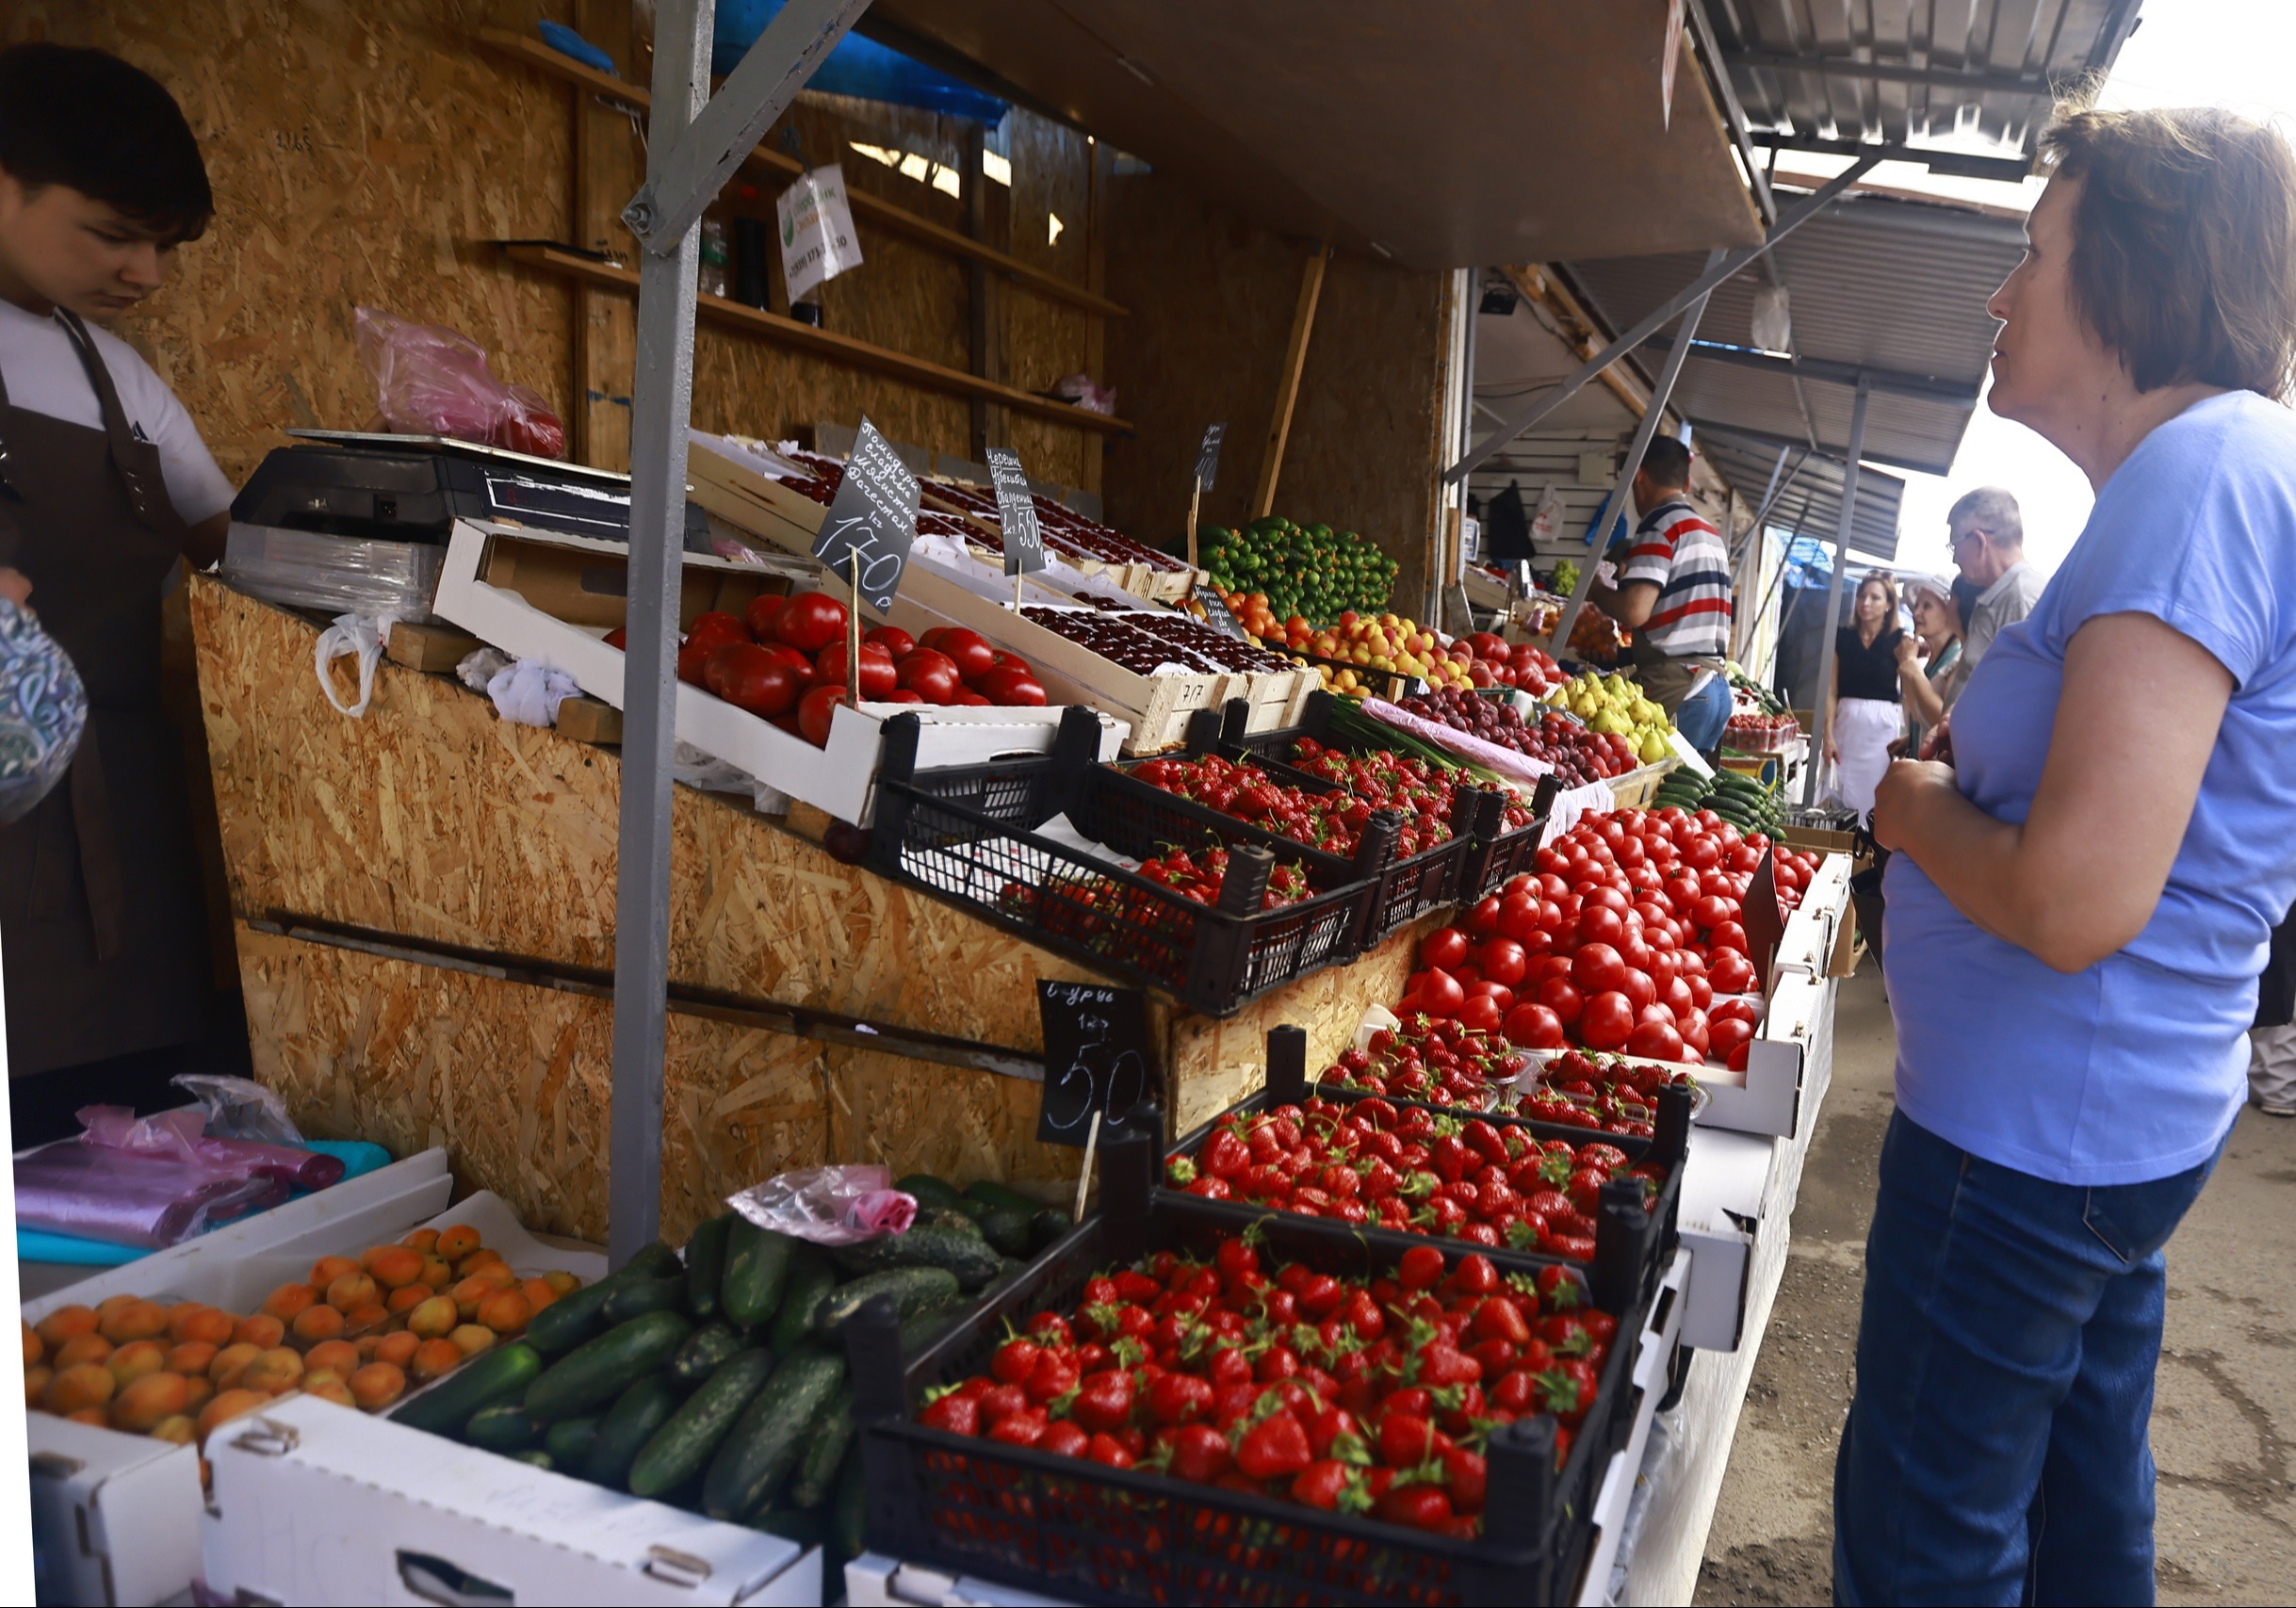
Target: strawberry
x,y
1179,1398
1103,1400
958,1415
1108,1451
1274,1448
1023,1428
1332,1486
1000,1401
1405,1441
1419,1506
1064,1439
1464,1476
1199,1453
1054,1375
1560,1290
1015,1360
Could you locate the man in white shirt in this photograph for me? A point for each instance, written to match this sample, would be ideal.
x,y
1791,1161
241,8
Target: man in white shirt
x,y
1987,532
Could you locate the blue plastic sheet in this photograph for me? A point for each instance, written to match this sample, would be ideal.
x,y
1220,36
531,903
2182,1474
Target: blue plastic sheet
x,y
859,67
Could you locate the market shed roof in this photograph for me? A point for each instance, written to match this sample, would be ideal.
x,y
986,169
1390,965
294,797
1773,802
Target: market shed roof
x,y
1452,136
1894,290
1808,491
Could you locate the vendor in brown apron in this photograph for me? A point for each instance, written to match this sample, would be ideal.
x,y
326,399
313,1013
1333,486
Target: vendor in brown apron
x,y
103,934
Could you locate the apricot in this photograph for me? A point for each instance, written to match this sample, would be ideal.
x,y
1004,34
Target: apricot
x,y
227,1406
64,1323
560,1280
471,1339
36,1383
432,1358
327,1269
366,1345
422,1241
479,1260
111,1304
394,1267
201,1323
191,1358
263,1330
272,1372
315,1323
89,1415
288,1301
86,1385
329,1388
136,1360
396,1351
82,1348
148,1401
435,1317
456,1242
377,1386
138,1320
340,1355
538,1293
198,1393
407,1297
35,1349
179,1430
506,1311
360,1319
437,1273
231,1362
352,1290
474,1292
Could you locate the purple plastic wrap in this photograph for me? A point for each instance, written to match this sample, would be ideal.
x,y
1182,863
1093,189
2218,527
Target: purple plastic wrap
x,y
157,1180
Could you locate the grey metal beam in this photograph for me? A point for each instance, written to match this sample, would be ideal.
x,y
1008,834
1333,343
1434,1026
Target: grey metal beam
x,y
1561,638
1892,73
2010,170
1652,322
1833,588
1779,488
704,153
1889,382
1825,450
1734,112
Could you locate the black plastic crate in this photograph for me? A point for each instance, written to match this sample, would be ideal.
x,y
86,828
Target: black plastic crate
x,y
1085,1532
967,833
1287,1083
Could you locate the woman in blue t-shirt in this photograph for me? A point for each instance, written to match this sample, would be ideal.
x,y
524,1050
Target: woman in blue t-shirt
x,y
2080,906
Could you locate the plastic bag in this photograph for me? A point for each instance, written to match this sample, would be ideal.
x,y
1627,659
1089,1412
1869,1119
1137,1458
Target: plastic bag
x,y
152,1188
829,1205
528,692
44,710
180,1135
362,638
240,1108
431,381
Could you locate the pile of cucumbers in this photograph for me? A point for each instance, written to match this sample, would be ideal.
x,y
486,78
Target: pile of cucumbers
x,y
716,1381
1734,796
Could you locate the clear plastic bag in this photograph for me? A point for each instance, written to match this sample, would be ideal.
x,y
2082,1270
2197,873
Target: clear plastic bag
x,y
240,1108
829,1205
433,380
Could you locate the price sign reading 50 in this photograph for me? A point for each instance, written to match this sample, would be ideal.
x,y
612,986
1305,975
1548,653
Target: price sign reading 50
x,y
1098,1058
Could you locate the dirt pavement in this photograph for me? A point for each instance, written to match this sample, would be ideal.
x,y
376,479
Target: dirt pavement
x,y
2225,1403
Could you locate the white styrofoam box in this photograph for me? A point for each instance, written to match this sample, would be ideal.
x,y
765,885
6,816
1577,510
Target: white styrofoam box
x,y
839,778
317,1504
1647,1380
1725,1192
115,1516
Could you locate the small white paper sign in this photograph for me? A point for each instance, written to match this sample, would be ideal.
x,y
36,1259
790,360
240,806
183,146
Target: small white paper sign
x,y
817,238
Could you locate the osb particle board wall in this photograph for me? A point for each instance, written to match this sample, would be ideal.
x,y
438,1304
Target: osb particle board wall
x,y
1213,301
367,154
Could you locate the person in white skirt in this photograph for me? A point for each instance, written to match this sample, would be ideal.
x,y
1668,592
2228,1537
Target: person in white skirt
x,y
2272,1043
1862,713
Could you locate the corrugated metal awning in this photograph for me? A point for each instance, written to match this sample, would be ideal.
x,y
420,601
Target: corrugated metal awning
x,y
1809,499
1891,289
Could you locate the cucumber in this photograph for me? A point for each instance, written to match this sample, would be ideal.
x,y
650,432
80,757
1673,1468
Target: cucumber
x,y
1006,1229
705,1265
680,1448
756,1268
996,1193
569,1440
627,1425
965,1252
812,1277
705,1349
653,1259
928,1326
504,1428
806,1529
849,1511
638,1296
1047,1224
928,1190
944,1217
815,1480
575,1317
501,1374
765,1442
597,1370
913,1289
535,1455
971,1206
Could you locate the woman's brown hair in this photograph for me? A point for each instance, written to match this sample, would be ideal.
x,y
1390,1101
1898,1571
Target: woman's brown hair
x,y
2184,253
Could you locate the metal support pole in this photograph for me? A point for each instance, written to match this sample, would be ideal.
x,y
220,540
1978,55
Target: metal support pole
x,y
1833,587
661,404
1716,273
1624,485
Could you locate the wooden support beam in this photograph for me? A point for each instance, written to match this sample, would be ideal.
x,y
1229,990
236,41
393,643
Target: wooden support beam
x,y
607,172
1578,330
1287,387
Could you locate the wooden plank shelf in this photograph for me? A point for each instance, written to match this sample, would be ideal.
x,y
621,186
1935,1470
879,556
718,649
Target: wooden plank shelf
x,y
822,343
533,52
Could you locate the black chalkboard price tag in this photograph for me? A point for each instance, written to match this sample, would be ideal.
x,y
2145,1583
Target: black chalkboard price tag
x,y
872,520
1208,457
1216,612
1095,1059
1016,511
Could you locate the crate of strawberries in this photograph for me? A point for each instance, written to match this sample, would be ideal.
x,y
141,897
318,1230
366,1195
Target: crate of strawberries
x,y
1162,1410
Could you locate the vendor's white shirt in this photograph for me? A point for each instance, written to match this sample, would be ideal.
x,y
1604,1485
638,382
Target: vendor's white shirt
x,y
43,370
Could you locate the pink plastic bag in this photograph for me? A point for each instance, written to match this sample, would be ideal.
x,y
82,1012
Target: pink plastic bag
x,y
431,381
152,1190
829,1205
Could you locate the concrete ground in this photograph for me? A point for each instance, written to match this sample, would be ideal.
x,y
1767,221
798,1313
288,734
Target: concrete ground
x,y
2225,1402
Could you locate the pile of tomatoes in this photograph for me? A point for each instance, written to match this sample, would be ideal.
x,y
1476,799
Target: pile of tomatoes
x,y
1412,1170
785,660
1331,823
1399,781
1368,1397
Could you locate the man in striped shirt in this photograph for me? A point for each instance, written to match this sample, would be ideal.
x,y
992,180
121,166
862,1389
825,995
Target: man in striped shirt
x,y
1674,595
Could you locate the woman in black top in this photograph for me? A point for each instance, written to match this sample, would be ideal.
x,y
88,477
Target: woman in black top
x,y
1863,717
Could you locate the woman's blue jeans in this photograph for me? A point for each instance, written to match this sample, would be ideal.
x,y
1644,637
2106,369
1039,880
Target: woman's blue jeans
x,y
1704,715
1997,1451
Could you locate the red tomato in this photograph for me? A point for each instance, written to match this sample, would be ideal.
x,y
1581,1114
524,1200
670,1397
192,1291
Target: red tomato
x,y
1482,920
748,678
1481,1013
1600,924
1712,911
1534,1027
1445,947
814,712
1467,975
876,668
966,698
1702,991
1737,1010
1564,997
1597,968
1737,1061
809,622
1664,968
1489,990
970,651
759,615
1696,1033
716,628
1606,1022
1732,973
1728,935
1635,949
1703,851
693,661
1725,1035
892,639
1012,687
931,675
1655,1040
1518,916
1503,961
800,666
1674,994
901,696
618,637
1640,990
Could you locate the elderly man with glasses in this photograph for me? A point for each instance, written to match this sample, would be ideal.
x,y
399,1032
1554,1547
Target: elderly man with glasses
x,y
1988,538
